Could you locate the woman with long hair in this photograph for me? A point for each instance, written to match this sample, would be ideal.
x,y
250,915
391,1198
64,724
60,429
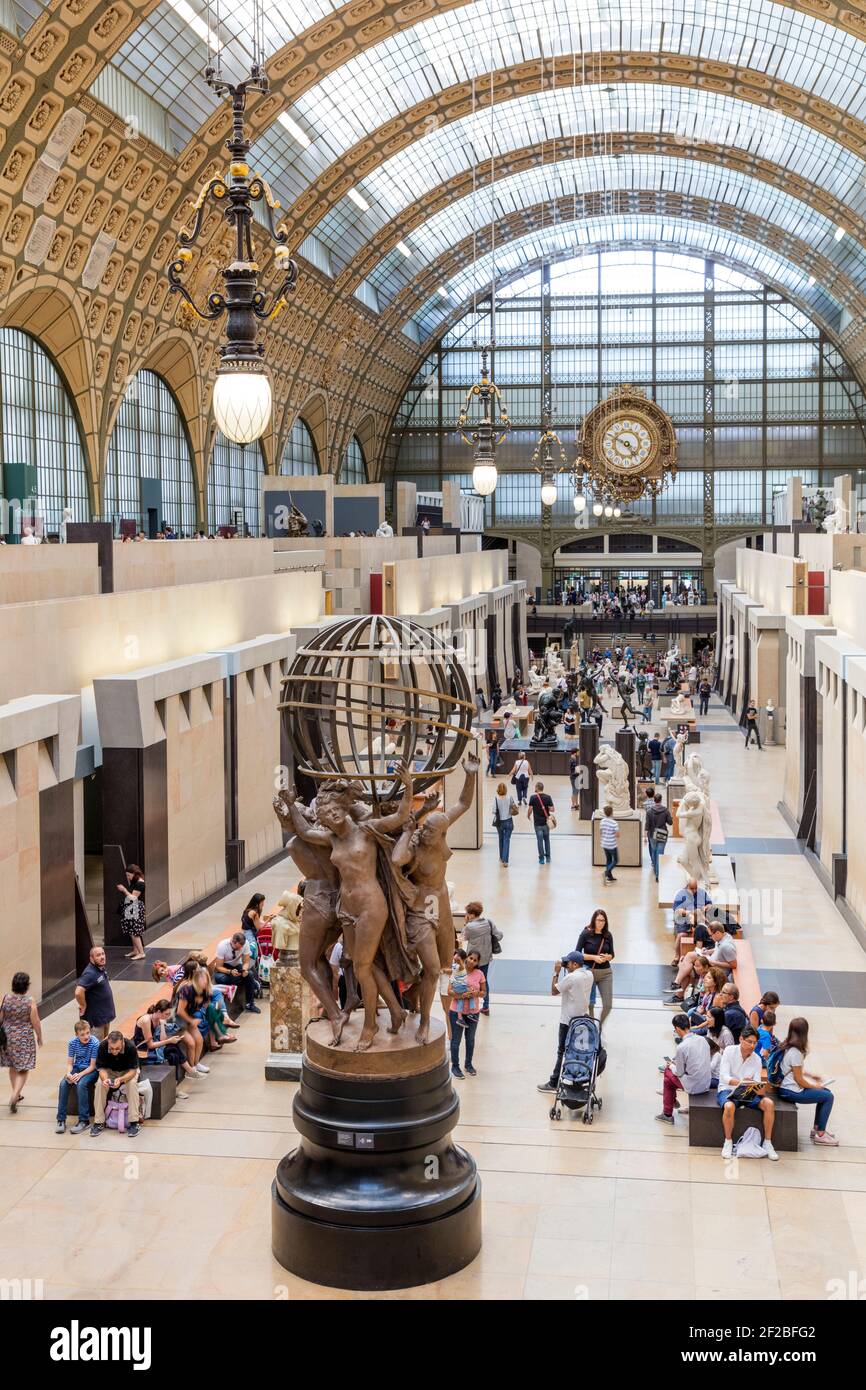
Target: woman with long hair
x,y
504,807
155,1045
801,1087
596,944
131,910
191,997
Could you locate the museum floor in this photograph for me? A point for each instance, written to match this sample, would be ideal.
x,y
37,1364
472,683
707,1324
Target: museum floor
x,y
621,1210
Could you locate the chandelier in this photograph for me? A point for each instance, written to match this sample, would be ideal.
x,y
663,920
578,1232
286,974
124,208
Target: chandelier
x,y
546,466
484,434
242,397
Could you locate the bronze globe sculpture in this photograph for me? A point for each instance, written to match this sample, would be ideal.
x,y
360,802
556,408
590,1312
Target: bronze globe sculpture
x,y
369,694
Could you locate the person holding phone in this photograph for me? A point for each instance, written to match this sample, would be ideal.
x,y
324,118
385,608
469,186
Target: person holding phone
x,y
741,1084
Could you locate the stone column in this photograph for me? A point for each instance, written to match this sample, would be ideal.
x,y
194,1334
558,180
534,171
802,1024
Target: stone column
x,y
588,744
290,1014
625,746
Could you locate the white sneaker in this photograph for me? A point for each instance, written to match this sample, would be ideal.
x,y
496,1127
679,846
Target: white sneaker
x,y
770,1151
728,1149
202,1069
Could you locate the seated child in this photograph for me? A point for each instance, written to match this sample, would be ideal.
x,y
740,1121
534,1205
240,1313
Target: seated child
x,y
80,1073
766,1036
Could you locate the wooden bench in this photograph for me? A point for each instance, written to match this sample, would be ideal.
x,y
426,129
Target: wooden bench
x,y
705,1122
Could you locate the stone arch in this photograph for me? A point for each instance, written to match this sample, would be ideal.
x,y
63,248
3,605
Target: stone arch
x,y
53,315
314,413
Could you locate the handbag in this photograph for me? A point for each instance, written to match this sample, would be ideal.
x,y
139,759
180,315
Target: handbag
x,y
551,820
495,943
660,835
116,1114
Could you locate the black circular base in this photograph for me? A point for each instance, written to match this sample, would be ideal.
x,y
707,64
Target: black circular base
x,y
377,1195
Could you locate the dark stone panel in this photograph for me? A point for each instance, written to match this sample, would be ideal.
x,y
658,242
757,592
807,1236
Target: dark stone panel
x,y
102,534
57,883
135,826
155,823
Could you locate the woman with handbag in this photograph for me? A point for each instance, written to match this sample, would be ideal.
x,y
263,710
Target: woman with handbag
x,y
504,807
541,813
131,910
483,937
20,1031
596,944
520,778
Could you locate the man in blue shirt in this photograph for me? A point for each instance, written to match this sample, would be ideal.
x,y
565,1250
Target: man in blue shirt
x,y
690,905
80,1073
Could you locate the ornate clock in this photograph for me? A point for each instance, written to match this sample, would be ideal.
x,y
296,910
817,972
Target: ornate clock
x,y
627,446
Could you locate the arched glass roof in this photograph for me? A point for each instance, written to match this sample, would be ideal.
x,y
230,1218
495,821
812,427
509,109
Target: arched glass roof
x,y
682,114
670,232
167,51
690,178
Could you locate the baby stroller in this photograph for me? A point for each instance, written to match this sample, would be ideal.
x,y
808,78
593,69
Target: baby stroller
x,y
583,1060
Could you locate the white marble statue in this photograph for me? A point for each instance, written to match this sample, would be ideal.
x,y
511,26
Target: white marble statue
x,y
680,743
612,781
693,814
680,704
696,776
285,922
836,522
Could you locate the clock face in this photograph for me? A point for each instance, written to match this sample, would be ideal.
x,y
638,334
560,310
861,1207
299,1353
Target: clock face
x,y
627,445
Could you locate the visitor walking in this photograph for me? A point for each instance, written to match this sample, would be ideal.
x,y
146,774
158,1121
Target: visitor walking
x,y
479,935
752,725
504,807
520,777
658,824
610,843
21,1031
541,813
574,992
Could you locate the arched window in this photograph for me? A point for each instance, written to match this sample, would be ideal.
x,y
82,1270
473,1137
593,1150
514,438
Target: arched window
x,y
38,428
300,456
233,482
354,469
149,445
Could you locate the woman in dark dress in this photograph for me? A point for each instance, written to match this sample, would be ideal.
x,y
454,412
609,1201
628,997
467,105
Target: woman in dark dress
x,y
131,910
19,1018
596,943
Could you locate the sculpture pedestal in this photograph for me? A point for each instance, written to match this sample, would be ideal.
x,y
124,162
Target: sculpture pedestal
x,y
288,1019
630,839
376,1195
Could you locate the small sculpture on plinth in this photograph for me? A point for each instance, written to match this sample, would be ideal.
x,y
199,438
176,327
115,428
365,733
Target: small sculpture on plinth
x,y
546,721
612,771
625,702
642,756
680,705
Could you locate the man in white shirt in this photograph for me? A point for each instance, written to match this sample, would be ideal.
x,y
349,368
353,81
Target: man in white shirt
x,y
740,1067
690,1071
232,965
573,991
609,835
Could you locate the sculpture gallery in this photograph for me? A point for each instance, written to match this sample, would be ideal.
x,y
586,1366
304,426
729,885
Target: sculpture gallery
x,y
613,781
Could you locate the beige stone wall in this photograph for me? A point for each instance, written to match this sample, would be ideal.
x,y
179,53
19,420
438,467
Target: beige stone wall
x,y
32,572
764,667
20,890
432,582
258,721
830,692
195,794
155,564
855,888
848,603
791,790
69,642
774,581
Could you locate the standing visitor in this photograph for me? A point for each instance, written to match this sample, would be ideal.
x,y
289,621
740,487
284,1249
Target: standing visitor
x,y
520,776
464,1023
479,934
596,944
541,813
504,807
609,831
574,779
752,725
19,1018
93,994
658,823
573,992
130,909
655,752
704,692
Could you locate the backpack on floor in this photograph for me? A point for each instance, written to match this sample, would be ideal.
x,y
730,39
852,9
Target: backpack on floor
x,y
116,1115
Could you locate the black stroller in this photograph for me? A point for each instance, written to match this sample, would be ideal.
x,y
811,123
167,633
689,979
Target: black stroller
x,y
583,1060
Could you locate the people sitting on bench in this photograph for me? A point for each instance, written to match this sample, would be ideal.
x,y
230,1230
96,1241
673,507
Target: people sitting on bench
x,y
690,1070
232,965
117,1065
741,1084
80,1073
190,998
723,954
159,1040
735,1015
799,1086
689,907
705,992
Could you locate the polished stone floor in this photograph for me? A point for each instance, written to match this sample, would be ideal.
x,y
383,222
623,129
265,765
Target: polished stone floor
x,y
621,1210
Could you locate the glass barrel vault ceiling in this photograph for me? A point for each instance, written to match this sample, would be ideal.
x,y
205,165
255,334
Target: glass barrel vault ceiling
x,y
165,55
560,240
689,178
